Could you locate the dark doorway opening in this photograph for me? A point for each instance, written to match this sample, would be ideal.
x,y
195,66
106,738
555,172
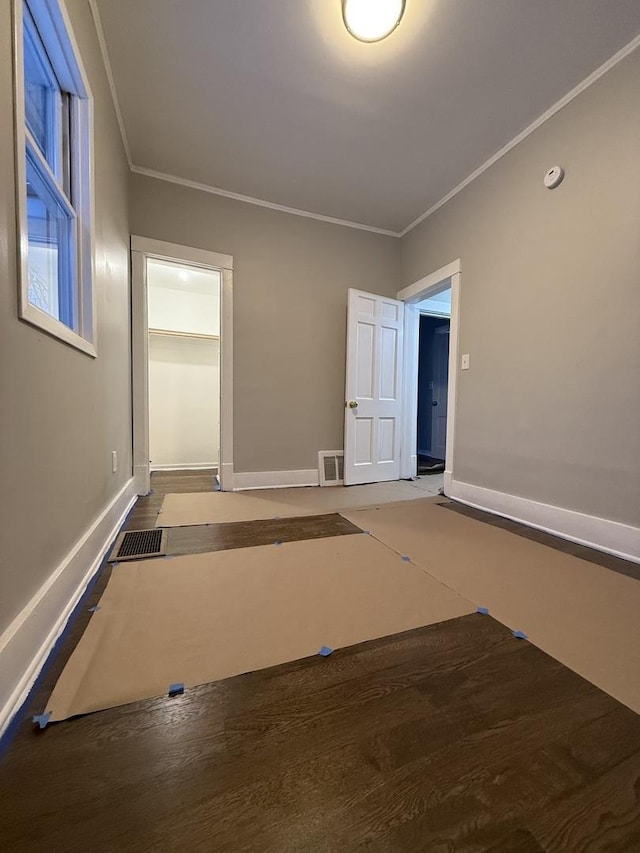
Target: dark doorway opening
x,y
433,382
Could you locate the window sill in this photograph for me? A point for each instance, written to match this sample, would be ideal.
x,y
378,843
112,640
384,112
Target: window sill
x,y
35,317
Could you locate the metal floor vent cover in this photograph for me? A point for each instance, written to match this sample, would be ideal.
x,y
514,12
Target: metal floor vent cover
x,y
331,467
138,544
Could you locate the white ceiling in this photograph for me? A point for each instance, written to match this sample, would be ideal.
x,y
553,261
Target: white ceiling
x,y
274,99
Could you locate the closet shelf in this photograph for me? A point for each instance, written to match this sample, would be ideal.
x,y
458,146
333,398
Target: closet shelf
x,y
172,334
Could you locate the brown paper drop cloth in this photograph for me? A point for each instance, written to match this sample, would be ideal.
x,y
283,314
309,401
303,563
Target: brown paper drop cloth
x,y
204,617
210,507
582,614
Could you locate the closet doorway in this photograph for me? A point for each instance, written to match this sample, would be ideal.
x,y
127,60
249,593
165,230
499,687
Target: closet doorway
x,y
182,354
183,304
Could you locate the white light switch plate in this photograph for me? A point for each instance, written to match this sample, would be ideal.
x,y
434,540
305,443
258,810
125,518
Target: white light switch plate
x,y
465,362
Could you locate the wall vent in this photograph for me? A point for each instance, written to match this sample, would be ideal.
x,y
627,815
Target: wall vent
x,y
331,467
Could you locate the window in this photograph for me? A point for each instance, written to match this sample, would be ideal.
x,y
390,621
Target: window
x,y
53,155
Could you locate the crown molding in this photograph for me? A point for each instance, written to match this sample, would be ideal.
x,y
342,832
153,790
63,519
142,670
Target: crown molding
x,y
207,188
185,182
97,20
566,99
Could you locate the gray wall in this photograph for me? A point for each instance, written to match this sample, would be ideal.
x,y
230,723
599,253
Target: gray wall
x,y
291,276
550,307
61,412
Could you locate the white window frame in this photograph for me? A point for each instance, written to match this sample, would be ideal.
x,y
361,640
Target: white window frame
x,y
53,25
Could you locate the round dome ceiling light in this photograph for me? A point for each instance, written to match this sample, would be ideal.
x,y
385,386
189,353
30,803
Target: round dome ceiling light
x,y
372,20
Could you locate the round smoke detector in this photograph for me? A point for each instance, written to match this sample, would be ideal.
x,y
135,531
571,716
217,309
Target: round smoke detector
x,y
554,177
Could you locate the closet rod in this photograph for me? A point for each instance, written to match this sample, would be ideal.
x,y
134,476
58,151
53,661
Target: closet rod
x,y
169,333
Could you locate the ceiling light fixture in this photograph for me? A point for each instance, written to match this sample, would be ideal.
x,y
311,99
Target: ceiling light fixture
x,y
372,20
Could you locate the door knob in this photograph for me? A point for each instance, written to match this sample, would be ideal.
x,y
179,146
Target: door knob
x,y
434,402
353,404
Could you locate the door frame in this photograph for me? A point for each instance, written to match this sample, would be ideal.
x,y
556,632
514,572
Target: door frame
x,y
143,248
447,276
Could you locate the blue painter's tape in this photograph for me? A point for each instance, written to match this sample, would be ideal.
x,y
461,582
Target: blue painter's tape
x,y
42,719
94,609
176,689
277,543
520,635
325,651
407,559
368,532
11,730
483,610
113,565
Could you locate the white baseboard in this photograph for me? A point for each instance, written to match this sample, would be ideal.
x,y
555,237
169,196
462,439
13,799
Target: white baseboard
x,y
226,477
141,477
28,640
275,479
622,540
191,466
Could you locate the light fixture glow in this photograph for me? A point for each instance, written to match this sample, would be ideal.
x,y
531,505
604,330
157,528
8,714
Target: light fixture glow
x,y
372,20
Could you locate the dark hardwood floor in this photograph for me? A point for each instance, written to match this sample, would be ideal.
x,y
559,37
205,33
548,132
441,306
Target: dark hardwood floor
x,y
179,482
454,737
145,513
146,510
199,538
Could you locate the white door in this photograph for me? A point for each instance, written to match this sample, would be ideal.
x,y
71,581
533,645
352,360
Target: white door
x,y
373,391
